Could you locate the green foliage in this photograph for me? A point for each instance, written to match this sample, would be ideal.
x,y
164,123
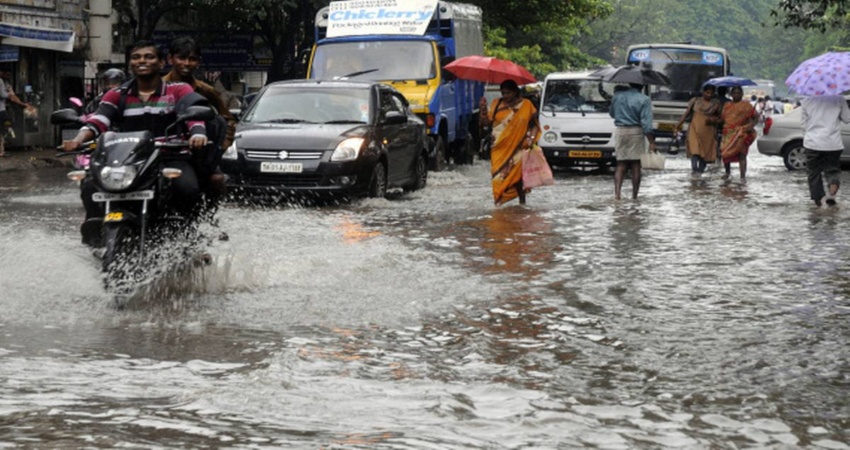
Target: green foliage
x,y
812,15
758,47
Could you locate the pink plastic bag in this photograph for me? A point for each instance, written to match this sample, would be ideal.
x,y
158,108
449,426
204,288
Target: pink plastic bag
x,y
535,170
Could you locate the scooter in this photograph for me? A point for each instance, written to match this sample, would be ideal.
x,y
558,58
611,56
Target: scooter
x,y
134,184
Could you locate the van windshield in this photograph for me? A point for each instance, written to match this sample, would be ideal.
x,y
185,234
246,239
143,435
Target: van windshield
x,y
588,96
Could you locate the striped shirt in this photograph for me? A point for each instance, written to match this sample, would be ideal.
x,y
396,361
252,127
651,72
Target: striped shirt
x,y
153,115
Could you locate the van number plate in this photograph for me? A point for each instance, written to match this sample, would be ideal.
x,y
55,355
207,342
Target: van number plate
x,y
584,154
279,167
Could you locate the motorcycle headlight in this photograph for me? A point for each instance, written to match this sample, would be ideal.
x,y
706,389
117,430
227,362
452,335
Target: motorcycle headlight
x,y
231,153
550,137
118,178
348,150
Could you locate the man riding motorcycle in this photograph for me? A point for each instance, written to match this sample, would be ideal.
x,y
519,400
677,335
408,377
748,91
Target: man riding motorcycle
x,y
146,102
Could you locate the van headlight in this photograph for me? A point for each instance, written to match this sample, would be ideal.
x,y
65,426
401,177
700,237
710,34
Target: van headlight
x,y
231,153
348,150
118,178
550,137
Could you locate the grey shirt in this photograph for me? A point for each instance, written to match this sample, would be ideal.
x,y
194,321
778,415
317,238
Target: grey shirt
x,y
4,94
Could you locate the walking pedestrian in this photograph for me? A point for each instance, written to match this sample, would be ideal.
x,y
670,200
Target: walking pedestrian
x,y
513,120
702,133
632,113
822,144
739,121
7,94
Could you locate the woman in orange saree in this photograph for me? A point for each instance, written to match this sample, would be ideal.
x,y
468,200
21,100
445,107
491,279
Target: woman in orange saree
x,y
514,125
739,121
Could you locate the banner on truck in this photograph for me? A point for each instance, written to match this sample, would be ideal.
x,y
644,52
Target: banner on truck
x,y
361,17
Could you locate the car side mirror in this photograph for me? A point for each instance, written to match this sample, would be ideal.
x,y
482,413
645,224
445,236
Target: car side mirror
x,y
395,118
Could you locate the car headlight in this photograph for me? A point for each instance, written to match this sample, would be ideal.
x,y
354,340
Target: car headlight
x,y
118,178
231,153
550,137
348,150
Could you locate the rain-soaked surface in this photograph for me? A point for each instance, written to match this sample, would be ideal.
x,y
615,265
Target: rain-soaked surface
x,y
708,314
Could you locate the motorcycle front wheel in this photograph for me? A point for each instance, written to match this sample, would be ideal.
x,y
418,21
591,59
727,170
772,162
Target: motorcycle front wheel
x,y
120,246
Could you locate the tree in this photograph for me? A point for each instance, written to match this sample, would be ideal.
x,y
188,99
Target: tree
x,y
812,14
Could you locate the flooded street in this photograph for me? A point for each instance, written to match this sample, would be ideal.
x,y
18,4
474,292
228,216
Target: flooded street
x,y
707,314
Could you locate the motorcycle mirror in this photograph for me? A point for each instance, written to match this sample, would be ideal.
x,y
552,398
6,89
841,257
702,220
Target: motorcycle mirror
x,y
64,117
197,113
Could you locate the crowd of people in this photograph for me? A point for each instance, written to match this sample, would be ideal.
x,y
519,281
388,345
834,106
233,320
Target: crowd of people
x,y
722,126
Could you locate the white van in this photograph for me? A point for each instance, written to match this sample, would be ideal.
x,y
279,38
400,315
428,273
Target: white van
x,y
576,127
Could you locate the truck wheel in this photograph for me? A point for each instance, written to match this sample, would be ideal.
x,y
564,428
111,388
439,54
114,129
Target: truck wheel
x,y
465,151
439,162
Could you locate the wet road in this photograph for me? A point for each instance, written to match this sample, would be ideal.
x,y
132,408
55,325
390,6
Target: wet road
x,y
708,314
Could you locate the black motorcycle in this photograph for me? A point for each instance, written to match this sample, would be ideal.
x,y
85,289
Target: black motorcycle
x,y
133,181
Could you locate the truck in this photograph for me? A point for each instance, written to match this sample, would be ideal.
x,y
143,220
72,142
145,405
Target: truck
x,y
407,44
576,129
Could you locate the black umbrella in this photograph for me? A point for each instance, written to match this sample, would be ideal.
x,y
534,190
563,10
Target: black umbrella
x,y
632,74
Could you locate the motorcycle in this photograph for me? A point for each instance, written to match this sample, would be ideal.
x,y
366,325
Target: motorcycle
x,y
134,184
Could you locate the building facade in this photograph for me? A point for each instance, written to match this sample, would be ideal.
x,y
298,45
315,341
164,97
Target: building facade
x,y
51,47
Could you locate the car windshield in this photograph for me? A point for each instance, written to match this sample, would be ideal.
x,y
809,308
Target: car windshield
x,y
310,105
378,60
588,95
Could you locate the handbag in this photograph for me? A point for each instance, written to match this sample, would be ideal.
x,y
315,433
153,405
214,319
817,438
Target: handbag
x,y
535,170
652,161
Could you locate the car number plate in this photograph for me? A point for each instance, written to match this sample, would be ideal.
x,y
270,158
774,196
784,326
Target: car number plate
x,y
584,154
666,126
279,167
108,197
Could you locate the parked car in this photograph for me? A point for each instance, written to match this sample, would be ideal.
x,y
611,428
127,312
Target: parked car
x,y
328,137
785,139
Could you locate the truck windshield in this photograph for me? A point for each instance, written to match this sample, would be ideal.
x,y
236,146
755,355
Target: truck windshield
x,y
374,60
591,95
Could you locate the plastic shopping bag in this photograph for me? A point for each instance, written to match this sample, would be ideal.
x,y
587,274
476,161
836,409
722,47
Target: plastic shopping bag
x,y
652,161
535,170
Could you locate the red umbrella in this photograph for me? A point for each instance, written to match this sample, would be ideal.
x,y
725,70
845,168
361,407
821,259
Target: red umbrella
x,y
489,70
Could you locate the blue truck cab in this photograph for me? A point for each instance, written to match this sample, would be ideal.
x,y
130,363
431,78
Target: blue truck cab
x,y
406,45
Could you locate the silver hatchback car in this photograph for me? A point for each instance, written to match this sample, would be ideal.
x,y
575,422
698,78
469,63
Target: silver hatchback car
x,y
785,139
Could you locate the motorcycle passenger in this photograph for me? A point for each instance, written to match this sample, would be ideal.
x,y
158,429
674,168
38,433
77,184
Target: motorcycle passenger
x,y
110,79
146,102
184,55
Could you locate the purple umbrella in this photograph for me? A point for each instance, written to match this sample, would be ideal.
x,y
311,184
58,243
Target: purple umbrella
x,y
826,74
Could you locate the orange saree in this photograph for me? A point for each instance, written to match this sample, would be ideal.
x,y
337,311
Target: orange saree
x,y
738,133
510,125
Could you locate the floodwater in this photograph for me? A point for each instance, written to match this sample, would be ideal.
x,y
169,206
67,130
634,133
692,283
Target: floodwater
x,y
707,314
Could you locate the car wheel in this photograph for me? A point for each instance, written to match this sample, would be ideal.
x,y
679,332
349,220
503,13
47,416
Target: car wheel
x,y
439,163
794,156
378,182
421,175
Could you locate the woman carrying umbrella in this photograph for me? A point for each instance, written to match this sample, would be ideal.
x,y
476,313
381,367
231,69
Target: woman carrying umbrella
x,y
515,128
739,121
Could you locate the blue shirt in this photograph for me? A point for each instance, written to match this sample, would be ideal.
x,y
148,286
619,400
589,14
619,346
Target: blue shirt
x,y
630,108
